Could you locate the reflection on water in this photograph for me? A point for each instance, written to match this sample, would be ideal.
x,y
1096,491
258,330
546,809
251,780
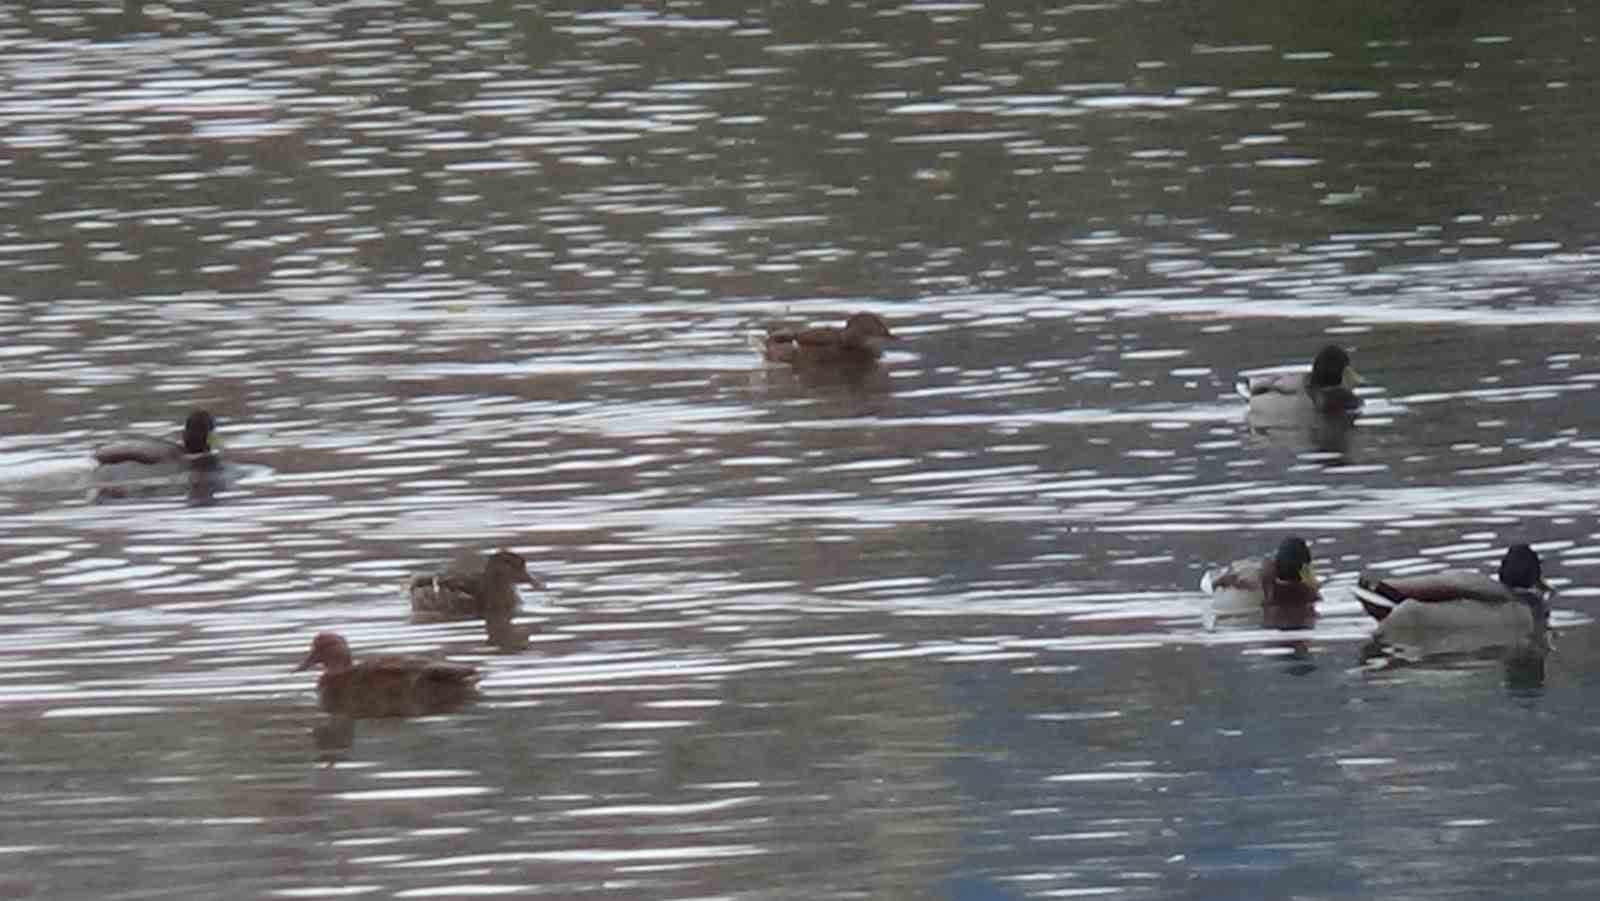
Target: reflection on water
x,y
485,275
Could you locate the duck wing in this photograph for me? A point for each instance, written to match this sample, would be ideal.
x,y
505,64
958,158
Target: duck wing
x,y
1240,575
138,449
410,675
1450,585
446,595
1235,588
1274,383
443,672
1379,596
397,686
820,337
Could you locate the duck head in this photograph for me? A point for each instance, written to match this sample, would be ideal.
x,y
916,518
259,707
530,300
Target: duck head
x,y
199,433
1292,562
869,329
510,566
1332,367
328,649
1520,569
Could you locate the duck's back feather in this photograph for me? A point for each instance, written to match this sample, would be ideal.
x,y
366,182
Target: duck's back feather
x,y
397,685
1274,383
822,344
138,449
1235,588
1379,597
447,596
1287,395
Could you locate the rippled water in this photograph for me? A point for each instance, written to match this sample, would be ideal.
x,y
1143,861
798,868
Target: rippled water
x,y
486,273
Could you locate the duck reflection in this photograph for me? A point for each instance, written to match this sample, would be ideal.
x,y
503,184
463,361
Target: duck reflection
x,y
857,379
1297,657
199,485
1333,435
334,737
1522,656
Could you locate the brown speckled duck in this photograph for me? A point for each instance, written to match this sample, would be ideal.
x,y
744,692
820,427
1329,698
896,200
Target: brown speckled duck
x,y
391,685
199,444
858,344
1283,587
471,587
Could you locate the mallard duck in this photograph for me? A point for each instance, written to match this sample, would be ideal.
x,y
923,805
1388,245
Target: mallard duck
x,y
858,344
392,685
1326,390
1283,586
470,586
1459,600
199,444
500,600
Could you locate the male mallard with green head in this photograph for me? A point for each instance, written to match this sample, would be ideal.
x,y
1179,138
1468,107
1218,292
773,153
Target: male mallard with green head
x,y
1283,586
858,344
1327,390
1459,600
199,444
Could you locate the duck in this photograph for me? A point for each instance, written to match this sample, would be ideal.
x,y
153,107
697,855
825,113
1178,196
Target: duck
x,y
1283,586
499,597
1459,600
858,344
386,686
1327,390
470,586
199,445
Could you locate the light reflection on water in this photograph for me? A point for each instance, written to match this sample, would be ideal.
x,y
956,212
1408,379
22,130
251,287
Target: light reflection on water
x,y
490,279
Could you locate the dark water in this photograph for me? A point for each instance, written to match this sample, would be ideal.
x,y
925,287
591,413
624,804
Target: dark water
x,y
487,273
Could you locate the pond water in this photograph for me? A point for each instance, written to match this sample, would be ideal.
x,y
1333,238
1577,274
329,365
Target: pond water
x,y
489,273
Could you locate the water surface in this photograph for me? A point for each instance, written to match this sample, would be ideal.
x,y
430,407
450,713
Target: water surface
x,y
483,273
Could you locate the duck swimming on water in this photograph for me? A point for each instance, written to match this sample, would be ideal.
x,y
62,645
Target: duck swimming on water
x,y
1459,600
1327,390
1283,587
858,344
471,587
386,686
199,444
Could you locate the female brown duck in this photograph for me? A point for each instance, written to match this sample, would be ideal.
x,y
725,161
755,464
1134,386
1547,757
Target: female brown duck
x,y
858,344
390,685
471,587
